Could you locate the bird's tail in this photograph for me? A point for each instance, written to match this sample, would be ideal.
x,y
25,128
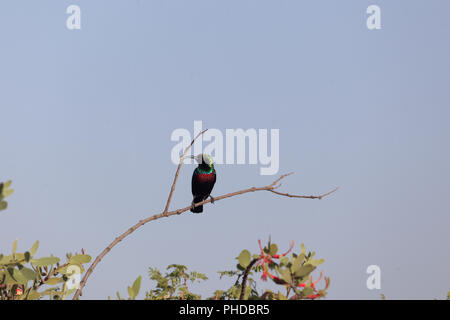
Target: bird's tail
x,y
198,209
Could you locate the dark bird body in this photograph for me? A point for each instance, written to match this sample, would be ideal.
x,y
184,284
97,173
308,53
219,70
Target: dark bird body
x,y
203,180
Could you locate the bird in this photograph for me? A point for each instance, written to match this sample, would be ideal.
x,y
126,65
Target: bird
x,y
203,180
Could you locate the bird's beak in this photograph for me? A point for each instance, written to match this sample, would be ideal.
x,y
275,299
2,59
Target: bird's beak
x,y
194,157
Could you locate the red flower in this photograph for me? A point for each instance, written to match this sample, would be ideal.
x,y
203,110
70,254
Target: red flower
x,y
313,284
264,275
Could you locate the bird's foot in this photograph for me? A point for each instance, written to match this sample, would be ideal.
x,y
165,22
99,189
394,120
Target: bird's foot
x,y
212,198
192,206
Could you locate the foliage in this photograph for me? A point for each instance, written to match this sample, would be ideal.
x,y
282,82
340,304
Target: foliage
x,y
173,285
23,276
293,273
133,291
5,192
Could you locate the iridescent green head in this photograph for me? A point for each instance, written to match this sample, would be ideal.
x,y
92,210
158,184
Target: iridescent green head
x,y
204,159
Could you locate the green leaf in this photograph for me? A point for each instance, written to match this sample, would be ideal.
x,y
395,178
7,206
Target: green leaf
x,y
42,262
5,259
80,258
14,247
9,277
7,184
273,249
286,275
53,281
34,248
19,256
19,276
3,205
131,293
301,257
304,270
302,249
137,285
28,274
316,262
244,258
284,261
296,264
5,192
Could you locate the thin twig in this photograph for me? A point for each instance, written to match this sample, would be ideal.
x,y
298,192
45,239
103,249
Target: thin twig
x,y
172,189
304,197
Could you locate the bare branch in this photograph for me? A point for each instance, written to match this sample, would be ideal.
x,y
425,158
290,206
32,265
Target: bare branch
x,y
167,213
304,197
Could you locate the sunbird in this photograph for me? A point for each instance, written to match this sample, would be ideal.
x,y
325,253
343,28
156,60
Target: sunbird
x,y
203,180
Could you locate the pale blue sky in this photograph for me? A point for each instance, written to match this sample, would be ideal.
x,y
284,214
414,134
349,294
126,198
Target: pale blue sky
x,y
86,118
